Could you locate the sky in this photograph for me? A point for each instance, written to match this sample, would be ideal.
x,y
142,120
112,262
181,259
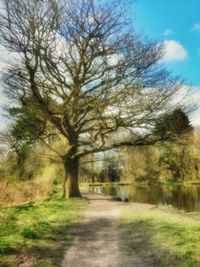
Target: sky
x,y
176,23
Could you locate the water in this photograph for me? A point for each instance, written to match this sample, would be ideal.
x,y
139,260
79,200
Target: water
x,y
183,197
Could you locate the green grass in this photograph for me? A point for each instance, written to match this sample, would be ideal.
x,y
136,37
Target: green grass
x,y
161,236
41,231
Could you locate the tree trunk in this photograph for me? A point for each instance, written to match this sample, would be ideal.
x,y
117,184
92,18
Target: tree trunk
x,y
71,184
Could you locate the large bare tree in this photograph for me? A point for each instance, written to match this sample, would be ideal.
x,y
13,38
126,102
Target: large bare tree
x,y
81,74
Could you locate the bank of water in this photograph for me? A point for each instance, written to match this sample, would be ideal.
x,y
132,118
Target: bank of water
x,y
181,196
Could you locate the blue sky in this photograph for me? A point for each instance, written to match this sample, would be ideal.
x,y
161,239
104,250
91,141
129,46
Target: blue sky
x,y
177,23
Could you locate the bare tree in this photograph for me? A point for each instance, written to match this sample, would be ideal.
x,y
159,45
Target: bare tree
x,y
84,76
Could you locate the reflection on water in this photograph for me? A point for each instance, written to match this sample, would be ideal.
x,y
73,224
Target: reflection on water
x,y
185,197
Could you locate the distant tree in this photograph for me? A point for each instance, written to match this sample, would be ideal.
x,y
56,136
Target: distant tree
x,y
177,156
114,171
16,149
82,76
180,160
173,124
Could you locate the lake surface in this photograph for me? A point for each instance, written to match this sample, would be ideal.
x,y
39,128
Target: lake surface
x,y
183,197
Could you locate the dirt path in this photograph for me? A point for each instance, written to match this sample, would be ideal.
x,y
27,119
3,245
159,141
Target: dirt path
x,y
96,244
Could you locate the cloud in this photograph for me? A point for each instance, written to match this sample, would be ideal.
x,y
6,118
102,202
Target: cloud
x,y
168,32
196,27
194,100
4,55
173,51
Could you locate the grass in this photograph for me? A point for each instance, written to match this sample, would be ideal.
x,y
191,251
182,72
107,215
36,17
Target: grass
x,y
161,236
38,232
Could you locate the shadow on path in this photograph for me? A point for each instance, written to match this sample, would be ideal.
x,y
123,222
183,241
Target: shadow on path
x,y
97,242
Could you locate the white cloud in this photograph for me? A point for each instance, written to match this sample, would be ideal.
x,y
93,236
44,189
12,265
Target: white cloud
x,y
113,59
196,27
4,56
173,51
194,100
168,32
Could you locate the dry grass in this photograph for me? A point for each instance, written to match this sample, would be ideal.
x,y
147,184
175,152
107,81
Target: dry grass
x,y
16,193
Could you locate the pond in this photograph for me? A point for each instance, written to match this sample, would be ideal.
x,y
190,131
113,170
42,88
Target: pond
x,y
183,197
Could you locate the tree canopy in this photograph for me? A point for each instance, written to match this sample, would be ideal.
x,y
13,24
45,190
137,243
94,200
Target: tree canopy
x,y
173,124
84,76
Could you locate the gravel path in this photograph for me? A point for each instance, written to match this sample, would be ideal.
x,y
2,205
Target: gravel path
x,y
96,244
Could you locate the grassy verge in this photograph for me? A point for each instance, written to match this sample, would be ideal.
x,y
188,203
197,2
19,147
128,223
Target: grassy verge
x,y
38,233
161,236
